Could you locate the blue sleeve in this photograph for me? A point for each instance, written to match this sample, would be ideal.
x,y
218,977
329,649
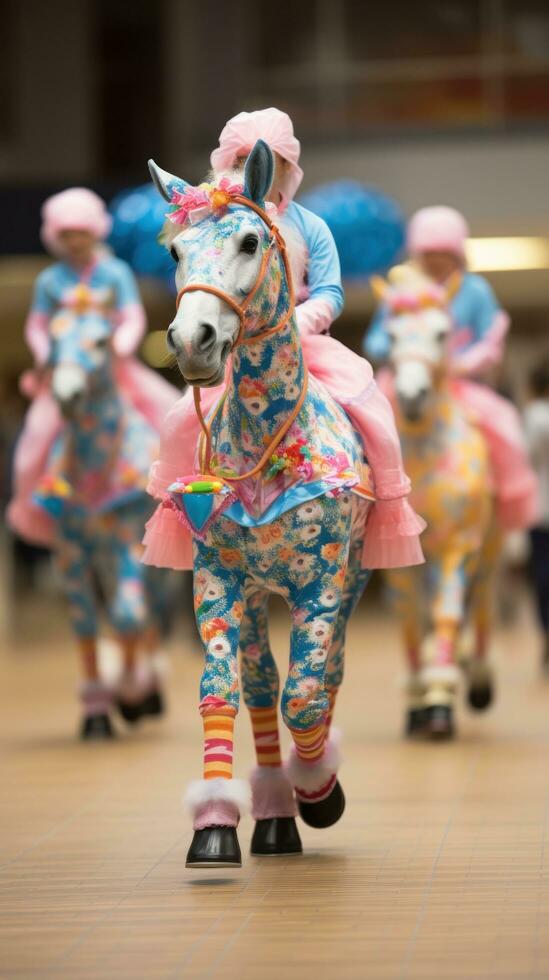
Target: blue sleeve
x,y
43,300
483,308
125,285
324,273
376,344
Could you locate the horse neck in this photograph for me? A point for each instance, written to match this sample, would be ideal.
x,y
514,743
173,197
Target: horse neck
x,y
95,433
258,367
432,430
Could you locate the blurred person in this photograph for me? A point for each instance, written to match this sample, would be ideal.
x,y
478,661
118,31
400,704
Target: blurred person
x,y
392,527
89,437
536,421
436,243
86,277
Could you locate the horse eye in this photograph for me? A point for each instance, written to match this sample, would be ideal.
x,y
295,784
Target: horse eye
x,y
174,255
441,336
102,343
249,244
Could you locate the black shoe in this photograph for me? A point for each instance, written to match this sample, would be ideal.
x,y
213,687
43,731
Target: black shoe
x,y
154,704
214,847
130,711
415,722
96,727
440,722
276,835
480,698
326,812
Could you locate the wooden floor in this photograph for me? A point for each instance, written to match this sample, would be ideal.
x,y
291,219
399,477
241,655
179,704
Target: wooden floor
x,y
439,868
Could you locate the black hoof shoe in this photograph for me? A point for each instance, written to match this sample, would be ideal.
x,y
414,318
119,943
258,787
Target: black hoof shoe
x,y
415,722
440,722
96,727
277,835
326,812
130,712
480,698
214,847
154,705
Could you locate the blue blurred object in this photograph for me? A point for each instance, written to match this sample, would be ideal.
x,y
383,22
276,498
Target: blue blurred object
x,y
138,216
369,228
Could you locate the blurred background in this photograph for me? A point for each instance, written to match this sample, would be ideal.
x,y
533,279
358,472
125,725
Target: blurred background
x,y
447,102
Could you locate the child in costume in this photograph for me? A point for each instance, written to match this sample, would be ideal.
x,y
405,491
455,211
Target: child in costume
x,y
536,423
393,528
436,242
86,277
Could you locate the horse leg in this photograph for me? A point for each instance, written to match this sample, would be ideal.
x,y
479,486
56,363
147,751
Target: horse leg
x,y
441,676
74,562
356,581
216,800
124,583
405,596
273,803
480,674
314,599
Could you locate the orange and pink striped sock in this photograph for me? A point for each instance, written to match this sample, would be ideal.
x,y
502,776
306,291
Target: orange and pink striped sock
x,y
266,736
309,743
218,719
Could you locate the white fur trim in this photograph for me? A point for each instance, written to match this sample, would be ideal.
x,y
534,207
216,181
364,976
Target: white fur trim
x,y
272,793
443,675
203,791
310,776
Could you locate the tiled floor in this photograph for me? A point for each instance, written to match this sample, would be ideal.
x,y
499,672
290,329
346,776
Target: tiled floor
x,y
439,868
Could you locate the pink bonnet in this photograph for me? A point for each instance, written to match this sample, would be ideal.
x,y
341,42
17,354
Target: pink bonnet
x,y
71,209
275,127
437,229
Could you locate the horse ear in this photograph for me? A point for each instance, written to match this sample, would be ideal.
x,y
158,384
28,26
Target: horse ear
x,y
379,287
165,182
258,173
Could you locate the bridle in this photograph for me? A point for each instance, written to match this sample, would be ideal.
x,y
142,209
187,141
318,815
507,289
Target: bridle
x,y
241,310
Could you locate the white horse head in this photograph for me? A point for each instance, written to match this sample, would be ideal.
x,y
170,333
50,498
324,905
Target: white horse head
x,y
220,243
418,325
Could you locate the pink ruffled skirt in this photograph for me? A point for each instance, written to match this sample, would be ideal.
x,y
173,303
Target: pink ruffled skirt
x,y
514,481
393,528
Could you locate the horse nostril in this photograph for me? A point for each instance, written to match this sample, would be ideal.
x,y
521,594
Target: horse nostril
x,y
206,338
171,340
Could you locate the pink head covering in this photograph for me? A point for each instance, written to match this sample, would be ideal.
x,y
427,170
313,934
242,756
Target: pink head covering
x,y
276,128
438,229
71,209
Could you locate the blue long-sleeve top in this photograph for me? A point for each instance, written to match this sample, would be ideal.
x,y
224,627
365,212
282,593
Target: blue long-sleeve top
x,y
325,293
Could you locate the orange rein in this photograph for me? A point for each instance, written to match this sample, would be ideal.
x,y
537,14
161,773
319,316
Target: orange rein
x,y
241,310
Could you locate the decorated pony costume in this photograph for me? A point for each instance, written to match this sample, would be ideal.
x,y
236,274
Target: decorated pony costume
x,y
393,529
105,287
82,463
277,502
447,457
476,344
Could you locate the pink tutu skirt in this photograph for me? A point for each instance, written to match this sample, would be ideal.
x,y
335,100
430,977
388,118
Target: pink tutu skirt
x,y
514,481
150,394
393,528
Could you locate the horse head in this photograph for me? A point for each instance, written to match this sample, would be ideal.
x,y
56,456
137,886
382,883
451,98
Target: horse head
x,y
230,274
418,326
80,358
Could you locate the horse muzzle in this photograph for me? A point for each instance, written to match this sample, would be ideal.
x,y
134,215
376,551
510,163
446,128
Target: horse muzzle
x,y
69,385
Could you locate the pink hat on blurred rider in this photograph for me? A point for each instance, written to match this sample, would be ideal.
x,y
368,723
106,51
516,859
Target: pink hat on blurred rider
x,y
276,128
76,208
437,229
